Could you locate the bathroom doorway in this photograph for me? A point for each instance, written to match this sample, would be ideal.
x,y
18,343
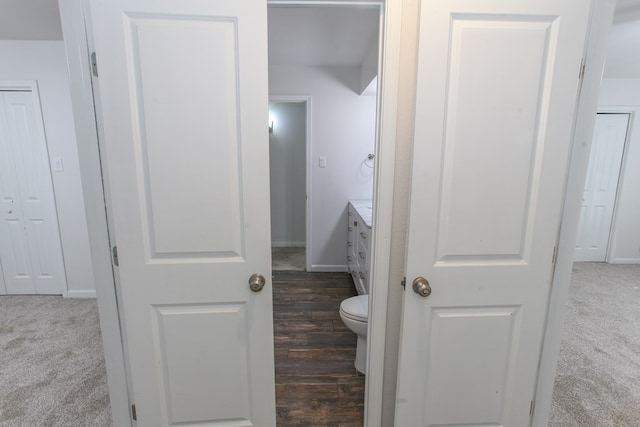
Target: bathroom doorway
x,y
325,58
323,66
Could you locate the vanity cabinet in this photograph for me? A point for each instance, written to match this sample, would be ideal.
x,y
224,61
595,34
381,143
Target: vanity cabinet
x,y
359,244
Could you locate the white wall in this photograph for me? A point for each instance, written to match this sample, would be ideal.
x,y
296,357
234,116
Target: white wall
x,y
369,69
624,95
287,158
343,131
46,62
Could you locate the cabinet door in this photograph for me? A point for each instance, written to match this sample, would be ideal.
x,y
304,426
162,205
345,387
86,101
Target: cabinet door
x,y
364,251
351,238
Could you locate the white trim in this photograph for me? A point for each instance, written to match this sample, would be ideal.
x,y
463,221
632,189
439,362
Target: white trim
x,y
3,287
32,86
20,85
584,120
81,294
75,28
329,268
388,81
288,244
308,167
624,261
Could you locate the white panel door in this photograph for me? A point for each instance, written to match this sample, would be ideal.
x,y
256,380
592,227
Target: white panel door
x,y
496,93
30,249
183,93
600,189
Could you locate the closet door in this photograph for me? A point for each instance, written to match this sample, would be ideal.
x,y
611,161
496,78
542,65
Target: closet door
x,y
30,249
600,190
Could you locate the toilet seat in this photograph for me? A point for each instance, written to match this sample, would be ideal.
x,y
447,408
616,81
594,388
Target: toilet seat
x,y
356,308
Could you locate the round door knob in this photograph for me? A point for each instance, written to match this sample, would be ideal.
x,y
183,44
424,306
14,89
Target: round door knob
x,y
421,287
256,282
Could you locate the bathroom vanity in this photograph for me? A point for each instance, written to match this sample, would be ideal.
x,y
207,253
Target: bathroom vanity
x,y
359,214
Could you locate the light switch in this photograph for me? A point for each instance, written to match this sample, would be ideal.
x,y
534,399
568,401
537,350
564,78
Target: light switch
x,y
323,162
57,164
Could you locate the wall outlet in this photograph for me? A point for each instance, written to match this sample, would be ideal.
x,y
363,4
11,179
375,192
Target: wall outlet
x,y
322,162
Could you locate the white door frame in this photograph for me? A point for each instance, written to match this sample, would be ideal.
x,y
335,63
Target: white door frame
x,y
75,27
32,86
587,106
73,15
307,205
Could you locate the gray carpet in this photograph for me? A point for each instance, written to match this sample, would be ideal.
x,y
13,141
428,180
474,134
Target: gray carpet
x,y
52,365
598,378
288,259
52,370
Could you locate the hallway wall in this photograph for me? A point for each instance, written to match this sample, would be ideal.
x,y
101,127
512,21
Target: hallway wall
x,y
287,158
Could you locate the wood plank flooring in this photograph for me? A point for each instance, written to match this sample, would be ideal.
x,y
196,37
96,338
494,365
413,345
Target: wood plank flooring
x,y
316,382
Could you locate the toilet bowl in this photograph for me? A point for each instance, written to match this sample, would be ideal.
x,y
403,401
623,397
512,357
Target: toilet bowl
x,y
354,312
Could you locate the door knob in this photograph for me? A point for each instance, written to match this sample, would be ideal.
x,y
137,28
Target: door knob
x,y
256,282
421,287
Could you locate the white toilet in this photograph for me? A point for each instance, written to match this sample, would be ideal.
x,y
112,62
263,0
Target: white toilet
x,y
354,312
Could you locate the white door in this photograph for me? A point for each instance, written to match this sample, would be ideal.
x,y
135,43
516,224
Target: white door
x,y
183,93
496,93
30,250
600,189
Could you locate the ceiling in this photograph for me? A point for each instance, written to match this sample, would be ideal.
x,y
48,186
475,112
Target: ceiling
x,y
30,20
333,36
321,36
623,55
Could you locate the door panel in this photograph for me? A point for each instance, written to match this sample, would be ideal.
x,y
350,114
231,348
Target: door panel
x,y
183,92
496,188
490,367
496,90
30,241
601,187
189,136
193,393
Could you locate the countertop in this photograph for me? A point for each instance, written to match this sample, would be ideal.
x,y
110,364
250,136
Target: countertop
x,y
364,208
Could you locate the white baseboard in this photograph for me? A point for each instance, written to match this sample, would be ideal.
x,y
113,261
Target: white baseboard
x,y
81,294
624,261
288,244
329,268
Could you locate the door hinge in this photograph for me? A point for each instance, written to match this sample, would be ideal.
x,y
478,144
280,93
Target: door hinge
x,y
555,255
94,64
403,282
114,253
582,66
134,415
531,408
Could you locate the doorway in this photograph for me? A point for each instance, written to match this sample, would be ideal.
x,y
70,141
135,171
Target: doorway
x,y
288,146
328,57
385,145
323,67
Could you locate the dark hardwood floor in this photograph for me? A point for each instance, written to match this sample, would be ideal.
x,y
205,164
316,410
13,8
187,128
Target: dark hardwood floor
x,y
316,382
